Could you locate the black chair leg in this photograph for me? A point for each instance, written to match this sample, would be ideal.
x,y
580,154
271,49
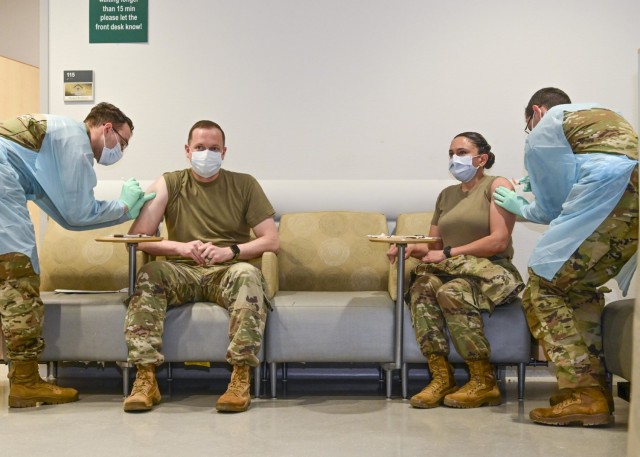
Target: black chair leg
x,y
522,368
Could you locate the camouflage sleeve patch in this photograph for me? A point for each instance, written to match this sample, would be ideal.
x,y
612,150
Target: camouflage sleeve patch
x,y
600,130
28,130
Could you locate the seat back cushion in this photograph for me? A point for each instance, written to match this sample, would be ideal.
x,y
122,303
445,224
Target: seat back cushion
x,y
75,260
330,251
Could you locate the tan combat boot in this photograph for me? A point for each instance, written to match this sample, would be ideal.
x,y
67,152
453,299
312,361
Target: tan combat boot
x,y
482,388
237,397
565,394
28,389
586,406
145,392
442,383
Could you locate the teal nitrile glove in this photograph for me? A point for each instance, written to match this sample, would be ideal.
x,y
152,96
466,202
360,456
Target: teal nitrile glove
x,y
131,193
527,184
134,211
509,200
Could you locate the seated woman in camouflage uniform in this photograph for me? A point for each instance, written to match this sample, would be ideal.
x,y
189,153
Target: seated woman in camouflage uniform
x,y
468,273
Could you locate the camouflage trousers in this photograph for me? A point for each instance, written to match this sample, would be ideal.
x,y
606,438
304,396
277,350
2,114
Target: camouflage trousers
x,y
454,294
564,313
21,309
237,287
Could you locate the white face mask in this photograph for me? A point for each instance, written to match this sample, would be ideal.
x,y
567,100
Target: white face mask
x,y
206,163
110,155
462,168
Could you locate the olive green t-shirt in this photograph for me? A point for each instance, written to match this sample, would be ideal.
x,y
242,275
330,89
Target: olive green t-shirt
x,y
463,217
222,211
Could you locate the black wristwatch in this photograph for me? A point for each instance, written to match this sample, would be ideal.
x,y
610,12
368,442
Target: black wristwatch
x,y
447,251
236,251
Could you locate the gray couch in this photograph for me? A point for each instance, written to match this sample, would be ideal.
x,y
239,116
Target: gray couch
x,y
332,304
507,332
319,317
335,322
90,326
506,328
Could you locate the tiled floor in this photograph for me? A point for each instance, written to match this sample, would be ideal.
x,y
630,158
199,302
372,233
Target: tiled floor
x,y
316,416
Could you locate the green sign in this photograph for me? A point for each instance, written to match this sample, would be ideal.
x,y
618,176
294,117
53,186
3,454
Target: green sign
x,y
118,21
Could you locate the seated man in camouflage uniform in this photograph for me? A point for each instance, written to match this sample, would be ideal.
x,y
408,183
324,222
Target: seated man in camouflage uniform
x,y
209,213
582,161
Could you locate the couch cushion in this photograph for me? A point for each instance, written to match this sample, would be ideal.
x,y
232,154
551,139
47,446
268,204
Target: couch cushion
x,y
197,332
331,327
74,260
84,327
325,251
90,327
506,329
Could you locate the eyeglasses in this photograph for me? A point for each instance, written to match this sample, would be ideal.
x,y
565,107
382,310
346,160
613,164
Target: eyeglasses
x,y
123,143
527,129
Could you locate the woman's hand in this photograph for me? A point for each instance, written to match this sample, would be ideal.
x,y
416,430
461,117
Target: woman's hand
x,y
392,253
434,257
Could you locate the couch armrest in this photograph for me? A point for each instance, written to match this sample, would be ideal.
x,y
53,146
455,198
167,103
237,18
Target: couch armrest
x,y
409,265
269,269
617,337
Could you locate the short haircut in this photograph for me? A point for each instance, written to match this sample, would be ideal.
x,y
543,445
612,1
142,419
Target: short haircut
x,y
106,112
206,125
481,143
547,97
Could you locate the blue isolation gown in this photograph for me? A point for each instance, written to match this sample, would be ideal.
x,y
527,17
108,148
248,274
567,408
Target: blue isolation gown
x,y
573,193
59,178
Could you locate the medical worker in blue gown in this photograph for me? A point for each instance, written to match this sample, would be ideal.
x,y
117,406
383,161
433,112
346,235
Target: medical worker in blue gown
x,y
49,160
582,161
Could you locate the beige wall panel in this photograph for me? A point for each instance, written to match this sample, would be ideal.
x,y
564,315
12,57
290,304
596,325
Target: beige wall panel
x,y
19,94
19,88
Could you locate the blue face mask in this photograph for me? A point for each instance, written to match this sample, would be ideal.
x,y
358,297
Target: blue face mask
x,y
206,163
462,168
110,155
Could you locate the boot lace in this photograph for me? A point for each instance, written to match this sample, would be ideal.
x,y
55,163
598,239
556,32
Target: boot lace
x,y
238,384
42,384
474,385
142,385
574,399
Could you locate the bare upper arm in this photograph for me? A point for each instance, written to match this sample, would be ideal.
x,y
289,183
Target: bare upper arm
x,y
265,228
501,221
434,231
153,211
500,181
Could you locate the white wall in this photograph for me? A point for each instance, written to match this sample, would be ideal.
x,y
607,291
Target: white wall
x,y
345,89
